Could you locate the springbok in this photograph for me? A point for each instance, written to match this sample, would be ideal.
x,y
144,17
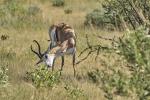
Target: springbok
x,y
63,42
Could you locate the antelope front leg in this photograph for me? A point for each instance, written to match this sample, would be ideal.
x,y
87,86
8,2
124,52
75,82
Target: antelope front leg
x,y
74,65
53,65
52,68
62,64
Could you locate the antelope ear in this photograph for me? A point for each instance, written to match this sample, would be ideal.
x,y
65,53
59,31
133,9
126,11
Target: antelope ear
x,y
64,50
52,51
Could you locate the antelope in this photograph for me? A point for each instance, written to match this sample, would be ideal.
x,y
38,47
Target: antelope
x,y
63,42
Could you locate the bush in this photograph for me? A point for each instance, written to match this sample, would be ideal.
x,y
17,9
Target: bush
x,y
17,15
4,37
68,10
42,77
58,3
133,52
3,76
99,19
111,81
94,76
135,48
121,14
75,93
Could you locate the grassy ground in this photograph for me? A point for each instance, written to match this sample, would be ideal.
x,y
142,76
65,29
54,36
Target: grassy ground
x,y
16,54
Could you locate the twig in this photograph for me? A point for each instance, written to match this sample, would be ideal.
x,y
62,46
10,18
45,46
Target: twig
x,y
91,49
113,40
90,52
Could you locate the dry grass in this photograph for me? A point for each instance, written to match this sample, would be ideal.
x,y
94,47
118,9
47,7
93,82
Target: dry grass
x,y
22,60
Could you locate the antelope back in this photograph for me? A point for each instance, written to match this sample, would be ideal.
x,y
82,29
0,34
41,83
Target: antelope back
x,y
64,32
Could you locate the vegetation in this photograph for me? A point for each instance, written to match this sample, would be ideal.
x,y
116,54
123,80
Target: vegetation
x,y
133,49
17,15
3,76
111,65
58,3
68,10
121,14
42,77
75,93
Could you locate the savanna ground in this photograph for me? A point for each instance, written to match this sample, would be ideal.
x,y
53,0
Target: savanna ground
x,y
15,51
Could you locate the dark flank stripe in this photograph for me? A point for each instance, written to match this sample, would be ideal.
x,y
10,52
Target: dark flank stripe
x,y
64,26
67,27
57,39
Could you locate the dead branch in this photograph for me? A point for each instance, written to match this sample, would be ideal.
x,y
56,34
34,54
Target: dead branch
x,y
109,39
94,49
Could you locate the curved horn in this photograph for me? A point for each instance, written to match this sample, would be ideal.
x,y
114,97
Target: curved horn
x,y
35,52
38,53
39,48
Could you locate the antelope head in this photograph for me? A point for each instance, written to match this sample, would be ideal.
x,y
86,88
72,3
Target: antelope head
x,y
48,59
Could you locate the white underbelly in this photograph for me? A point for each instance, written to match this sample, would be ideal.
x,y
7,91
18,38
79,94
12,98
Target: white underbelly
x,y
70,51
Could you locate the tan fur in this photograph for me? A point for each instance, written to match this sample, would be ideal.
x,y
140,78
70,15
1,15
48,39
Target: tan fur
x,y
54,50
64,43
66,37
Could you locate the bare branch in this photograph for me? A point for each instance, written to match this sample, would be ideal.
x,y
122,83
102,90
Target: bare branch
x,y
97,53
90,52
88,43
93,48
83,51
113,40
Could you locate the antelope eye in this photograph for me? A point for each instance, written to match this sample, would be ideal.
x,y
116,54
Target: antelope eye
x,y
46,56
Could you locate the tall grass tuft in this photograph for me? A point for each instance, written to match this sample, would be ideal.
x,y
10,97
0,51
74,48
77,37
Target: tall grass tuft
x,y
3,76
58,3
18,15
75,93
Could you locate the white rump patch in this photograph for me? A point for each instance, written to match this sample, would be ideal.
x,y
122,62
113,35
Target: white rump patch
x,y
71,51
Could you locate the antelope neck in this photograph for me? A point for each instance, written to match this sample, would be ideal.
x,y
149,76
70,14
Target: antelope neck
x,y
56,34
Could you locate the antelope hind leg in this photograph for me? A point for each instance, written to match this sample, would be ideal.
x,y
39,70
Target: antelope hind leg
x,y
62,64
74,65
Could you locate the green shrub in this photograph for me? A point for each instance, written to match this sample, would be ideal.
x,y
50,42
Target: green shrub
x,y
75,93
42,77
58,3
111,81
135,48
4,37
120,14
3,76
133,52
94,76
68,10
99,19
